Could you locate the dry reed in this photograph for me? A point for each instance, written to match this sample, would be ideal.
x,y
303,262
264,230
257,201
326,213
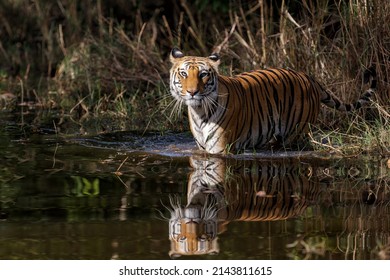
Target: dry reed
x,y
96,57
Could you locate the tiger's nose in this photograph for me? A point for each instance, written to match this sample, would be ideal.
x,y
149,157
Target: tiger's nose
x,y
192,92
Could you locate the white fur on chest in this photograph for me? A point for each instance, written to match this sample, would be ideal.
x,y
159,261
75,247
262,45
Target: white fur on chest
x,y
206,130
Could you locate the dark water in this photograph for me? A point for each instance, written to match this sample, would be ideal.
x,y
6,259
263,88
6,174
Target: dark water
x,y
153,196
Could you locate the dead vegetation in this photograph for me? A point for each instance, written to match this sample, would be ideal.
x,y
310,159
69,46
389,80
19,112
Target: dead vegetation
x,y
98,58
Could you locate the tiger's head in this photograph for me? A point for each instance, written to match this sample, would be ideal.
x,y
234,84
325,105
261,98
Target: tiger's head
x,y
194,80
193,229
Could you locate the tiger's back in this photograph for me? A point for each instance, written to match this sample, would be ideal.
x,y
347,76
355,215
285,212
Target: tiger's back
x,y
276,104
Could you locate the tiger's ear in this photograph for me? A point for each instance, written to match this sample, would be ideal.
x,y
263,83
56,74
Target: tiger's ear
x,y
176,53
214,56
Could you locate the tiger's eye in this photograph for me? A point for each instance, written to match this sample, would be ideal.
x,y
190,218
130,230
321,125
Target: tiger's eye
x,y
183,74
203,75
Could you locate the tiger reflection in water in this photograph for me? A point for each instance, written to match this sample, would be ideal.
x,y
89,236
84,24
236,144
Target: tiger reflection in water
x,y
220,192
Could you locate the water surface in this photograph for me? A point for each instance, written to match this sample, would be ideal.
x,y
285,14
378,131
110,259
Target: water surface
x,y
154,196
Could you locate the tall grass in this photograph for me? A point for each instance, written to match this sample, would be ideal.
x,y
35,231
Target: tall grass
x,y
99,58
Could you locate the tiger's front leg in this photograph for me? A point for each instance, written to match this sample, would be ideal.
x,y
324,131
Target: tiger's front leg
x,y
212,139
217,143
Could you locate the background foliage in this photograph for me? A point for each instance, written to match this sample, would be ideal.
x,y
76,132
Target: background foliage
x,y
96,57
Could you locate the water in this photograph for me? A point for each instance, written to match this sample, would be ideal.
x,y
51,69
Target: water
x,y
152,196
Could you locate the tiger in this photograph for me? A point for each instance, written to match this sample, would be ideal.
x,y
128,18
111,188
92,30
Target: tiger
x,y
260,109
220,191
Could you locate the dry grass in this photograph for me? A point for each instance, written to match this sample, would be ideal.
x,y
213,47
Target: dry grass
x,y
97,59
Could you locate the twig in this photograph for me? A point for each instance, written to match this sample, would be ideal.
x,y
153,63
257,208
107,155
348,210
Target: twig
x,y
117,172
198,39
324,145
263,36
218,48
166,24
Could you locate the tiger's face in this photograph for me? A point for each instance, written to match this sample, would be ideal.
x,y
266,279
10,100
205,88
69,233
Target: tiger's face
x,y
193,80
193,230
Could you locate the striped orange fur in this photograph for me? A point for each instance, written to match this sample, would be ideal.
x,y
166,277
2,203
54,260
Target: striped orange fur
x,y
253,110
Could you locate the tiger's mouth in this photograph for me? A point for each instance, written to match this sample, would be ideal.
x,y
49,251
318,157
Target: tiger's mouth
x,y
193,101
205,100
